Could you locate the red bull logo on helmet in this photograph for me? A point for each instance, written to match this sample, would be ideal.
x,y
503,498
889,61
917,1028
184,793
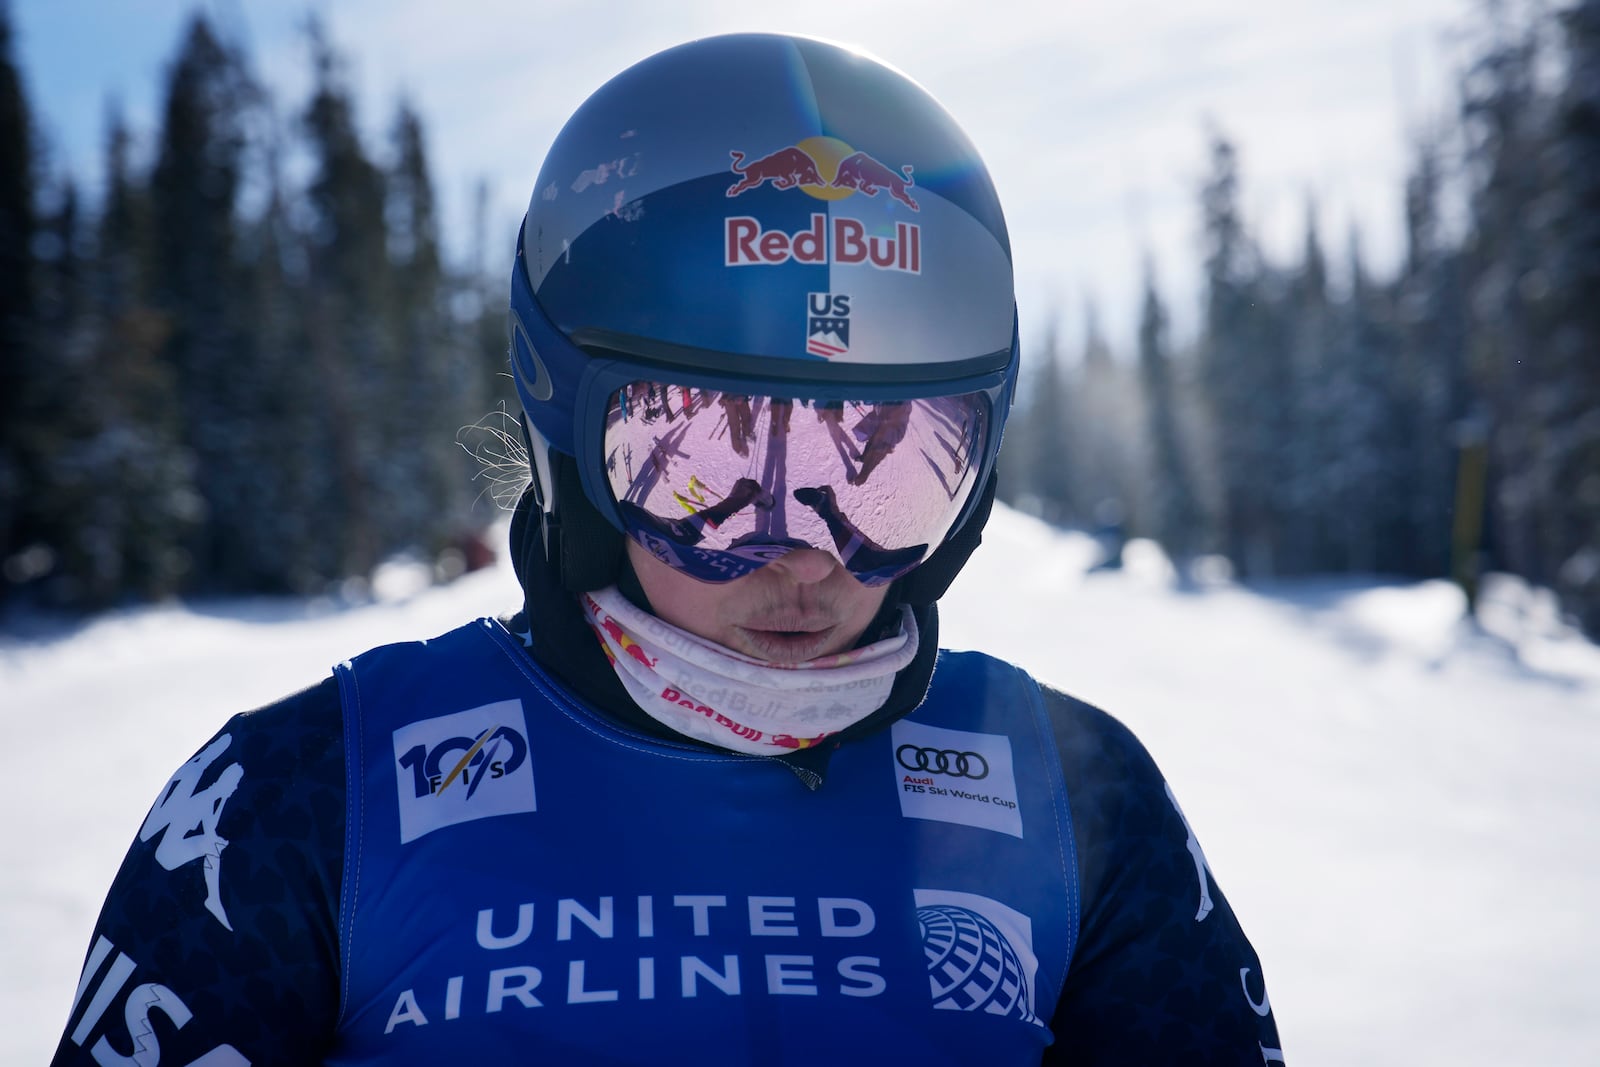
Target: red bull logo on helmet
x,y
847,242
825,168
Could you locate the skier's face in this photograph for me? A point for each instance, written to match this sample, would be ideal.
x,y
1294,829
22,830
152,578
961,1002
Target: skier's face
x,y
798,607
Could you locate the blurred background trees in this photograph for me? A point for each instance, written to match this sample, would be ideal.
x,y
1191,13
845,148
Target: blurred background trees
x,y
245,368
223,379
1439,422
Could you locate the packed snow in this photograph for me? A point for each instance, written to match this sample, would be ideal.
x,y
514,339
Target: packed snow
x,y
1398,802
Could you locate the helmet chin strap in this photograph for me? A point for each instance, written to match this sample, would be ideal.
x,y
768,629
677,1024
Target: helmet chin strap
x,y
570,529
591,549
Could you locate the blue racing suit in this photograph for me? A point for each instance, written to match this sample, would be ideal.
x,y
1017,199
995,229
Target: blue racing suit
x,y
443,852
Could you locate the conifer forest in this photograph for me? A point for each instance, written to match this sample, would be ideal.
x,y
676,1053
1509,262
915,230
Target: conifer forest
x,y
249,366
1440,422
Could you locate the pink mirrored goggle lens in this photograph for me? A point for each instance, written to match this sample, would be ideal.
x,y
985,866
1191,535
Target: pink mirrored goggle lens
x,y
718,484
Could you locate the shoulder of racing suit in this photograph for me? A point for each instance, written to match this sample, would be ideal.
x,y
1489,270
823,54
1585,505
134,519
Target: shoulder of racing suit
x,y
1163,972
217,940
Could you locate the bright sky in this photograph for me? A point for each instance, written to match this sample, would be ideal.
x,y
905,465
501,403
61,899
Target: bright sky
x,y
1092,117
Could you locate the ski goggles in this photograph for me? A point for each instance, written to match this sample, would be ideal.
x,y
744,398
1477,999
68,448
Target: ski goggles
x,y
717,484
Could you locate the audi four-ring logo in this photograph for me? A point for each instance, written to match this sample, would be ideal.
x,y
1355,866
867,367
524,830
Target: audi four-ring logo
x,y
942,761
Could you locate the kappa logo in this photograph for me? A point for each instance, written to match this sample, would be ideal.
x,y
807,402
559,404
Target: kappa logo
x,y
461,767
184,818
1200,865
979,953
955,776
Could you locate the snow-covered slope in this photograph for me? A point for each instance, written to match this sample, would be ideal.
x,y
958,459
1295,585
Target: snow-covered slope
x,y
1399,805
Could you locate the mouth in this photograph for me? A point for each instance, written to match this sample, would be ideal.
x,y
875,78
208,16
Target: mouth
x,y
788,643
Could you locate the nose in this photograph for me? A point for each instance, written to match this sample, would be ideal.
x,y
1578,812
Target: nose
x,y
805,565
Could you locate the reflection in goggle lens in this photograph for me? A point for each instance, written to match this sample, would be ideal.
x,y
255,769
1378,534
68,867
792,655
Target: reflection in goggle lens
x,y
717,484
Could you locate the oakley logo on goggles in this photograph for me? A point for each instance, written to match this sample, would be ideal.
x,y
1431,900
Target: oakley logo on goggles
x,y
718,484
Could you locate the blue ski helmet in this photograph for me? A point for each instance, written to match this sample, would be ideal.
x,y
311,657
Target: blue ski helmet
x,y
760,215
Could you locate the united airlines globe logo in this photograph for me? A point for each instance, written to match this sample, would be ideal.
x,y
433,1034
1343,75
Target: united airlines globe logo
x,y
971,965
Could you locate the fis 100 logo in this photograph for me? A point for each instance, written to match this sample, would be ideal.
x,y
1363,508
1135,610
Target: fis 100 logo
x,y
494,753
461,767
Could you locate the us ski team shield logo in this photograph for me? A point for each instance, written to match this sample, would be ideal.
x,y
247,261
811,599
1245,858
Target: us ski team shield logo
x,y
827,325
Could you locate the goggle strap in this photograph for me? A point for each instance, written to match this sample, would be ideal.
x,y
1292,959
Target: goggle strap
x,y
933,576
